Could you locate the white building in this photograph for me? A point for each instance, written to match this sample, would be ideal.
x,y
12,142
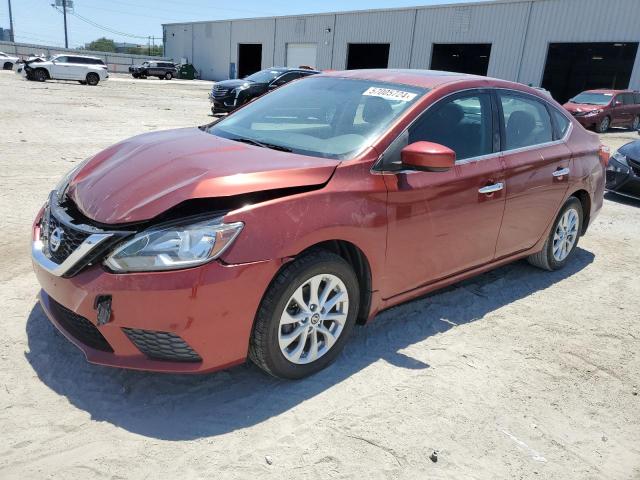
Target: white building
x,y
563,45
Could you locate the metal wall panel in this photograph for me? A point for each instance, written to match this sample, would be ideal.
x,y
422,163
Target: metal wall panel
x,y
393,27
211,55
179,41
254,31
501,25
578,21
305,29
519,31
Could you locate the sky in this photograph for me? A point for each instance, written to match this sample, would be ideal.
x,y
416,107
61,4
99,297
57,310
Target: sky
x,y
36,21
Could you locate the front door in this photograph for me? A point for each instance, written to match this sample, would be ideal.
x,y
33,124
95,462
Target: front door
x,y
537,165
443,223
61,68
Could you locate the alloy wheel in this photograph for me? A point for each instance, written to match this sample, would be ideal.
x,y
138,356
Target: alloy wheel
x,y
636,123
313,319
565,235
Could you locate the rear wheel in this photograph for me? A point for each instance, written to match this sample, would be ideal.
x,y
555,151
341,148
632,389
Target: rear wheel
x,y
7,66
40,75
563,238
168,76
93,79
604,125
306,316
636,123
135,75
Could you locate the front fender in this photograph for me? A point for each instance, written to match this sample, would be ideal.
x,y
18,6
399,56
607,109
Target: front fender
x,y
351,207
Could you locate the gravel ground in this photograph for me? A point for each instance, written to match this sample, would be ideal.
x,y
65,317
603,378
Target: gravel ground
x,y
517,373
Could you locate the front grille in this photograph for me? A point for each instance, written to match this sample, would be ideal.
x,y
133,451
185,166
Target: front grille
x,y
162,345
220,91
79,327
71,239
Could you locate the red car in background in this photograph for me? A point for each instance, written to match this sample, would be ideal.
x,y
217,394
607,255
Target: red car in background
x,y
606,108
271,233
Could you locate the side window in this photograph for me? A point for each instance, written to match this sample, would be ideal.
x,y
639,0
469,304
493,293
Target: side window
x,y
627,99
526,122
562,123
636,98
287,77
62,59
463,124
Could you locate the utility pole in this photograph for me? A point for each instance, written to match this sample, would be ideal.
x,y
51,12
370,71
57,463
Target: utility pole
x,y
64,12
11,36
149,46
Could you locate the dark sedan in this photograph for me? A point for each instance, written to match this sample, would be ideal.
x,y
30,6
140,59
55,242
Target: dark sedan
x,y
623,171
228,95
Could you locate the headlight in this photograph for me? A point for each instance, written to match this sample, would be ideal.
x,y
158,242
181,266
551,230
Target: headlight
x,y
593,112
236,91
175,246
620,158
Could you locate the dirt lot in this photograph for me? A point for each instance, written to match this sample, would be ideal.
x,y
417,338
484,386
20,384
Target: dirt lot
x,y
518,373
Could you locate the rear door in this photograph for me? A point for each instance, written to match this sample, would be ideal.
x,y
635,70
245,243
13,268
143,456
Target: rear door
x,y
443,223
537,162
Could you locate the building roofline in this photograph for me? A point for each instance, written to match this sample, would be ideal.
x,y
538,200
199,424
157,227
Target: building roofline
x,y
373,10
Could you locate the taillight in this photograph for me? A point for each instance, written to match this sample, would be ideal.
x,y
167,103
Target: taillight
x,y
604,153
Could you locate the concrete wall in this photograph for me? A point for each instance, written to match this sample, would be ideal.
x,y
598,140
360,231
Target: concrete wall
x,y
116,62
519,30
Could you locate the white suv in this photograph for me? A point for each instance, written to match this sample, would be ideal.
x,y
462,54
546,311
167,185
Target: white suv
x,y
86,70
7,61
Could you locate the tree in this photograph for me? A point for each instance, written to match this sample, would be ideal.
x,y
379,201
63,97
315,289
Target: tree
x,y
155,50
102,45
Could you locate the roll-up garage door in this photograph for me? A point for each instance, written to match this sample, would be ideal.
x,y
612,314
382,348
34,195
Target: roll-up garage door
x,y
299,54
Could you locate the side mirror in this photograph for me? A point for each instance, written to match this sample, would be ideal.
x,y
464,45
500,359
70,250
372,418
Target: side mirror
x,y
427,157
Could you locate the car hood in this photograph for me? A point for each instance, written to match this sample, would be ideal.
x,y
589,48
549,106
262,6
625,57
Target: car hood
x,y
631,150
234,83
142,177
581,107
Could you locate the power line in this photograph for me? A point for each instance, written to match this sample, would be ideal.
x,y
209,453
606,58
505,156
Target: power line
x,y
104,27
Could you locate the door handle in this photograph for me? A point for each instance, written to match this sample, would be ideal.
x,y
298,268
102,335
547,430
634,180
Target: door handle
x,y
489,189
561,172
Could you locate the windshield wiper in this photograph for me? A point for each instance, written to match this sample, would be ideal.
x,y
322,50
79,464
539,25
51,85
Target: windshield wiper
x,y
257,143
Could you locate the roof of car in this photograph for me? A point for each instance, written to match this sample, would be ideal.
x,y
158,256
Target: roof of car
x,y
71,54
292,69
607,90
417,78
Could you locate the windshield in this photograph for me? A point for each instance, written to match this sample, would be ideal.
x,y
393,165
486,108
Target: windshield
x,y
320,116
263,76
589,98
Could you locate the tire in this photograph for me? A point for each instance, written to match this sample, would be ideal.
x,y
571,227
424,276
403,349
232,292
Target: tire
x,y
82,82
268,332
7,66
135,75
636,123
604,125
168,76
545,258
40,75
93,79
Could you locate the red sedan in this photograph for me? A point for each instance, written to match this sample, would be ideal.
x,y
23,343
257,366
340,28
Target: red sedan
x,y
273,232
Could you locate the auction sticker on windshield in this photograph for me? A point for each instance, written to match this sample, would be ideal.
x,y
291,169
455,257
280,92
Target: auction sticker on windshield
x,y
390,94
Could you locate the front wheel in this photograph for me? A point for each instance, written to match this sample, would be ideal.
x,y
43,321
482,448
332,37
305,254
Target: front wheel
x,y
40,75
7,66
563,238
93,79
306,316
604,125
168,76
